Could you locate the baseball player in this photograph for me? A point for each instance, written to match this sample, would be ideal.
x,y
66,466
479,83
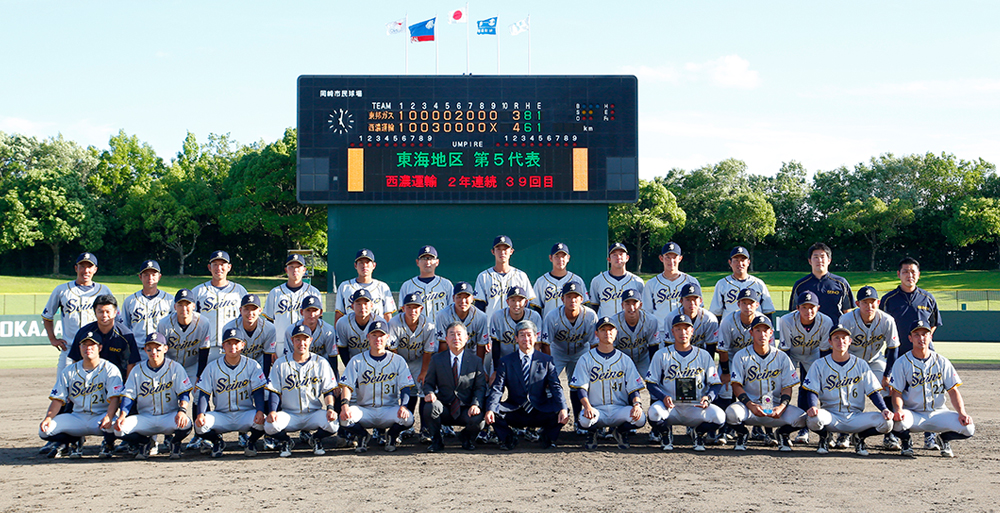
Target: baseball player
x,y
734,335
188,335
683,382
803,332
160,390
638,333
322,333
256,332
476,322
919,381
94,387
302,387
378,381
876,341
383,304
235,384
833,291
835,388
218,300
75,299
726,289
567,334
548,287
762,379
662,293
502,324
606,288
435,290
282,305
352,329
117,343
414,337
706,324
608,385
492,283
143,310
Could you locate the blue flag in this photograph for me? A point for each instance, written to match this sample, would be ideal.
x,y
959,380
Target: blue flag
x,y
487,27
423,31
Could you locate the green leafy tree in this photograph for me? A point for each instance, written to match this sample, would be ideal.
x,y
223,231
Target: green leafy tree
x,y
874,220
975,220
788,193
746,217
699,193
652,220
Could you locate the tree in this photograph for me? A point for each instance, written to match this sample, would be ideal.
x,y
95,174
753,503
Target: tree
x,y
974,220
651,220
874,220
746,217
788,193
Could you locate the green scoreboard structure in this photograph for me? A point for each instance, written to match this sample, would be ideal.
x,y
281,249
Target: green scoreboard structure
x,y
453,161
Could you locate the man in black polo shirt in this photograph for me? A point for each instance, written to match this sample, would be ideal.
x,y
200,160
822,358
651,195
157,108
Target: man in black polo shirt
x,y
117,342
835,296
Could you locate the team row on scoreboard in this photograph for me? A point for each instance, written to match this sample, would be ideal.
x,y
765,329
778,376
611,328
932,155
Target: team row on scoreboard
x,y
469,182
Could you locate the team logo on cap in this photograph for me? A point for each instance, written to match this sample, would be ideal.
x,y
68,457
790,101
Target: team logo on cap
x,y
377,326
361,294
867,292
630,294
301,329
739,250
183,295
428,250
413,298
671,247
840,327
920,325
295,257
219,255
515,291
462,287
605,321
616,246
310,302
748,294
808,298
156,338
230,334
90,336
250,299
559,247
502,239
690,289
761,319
681,319
571,287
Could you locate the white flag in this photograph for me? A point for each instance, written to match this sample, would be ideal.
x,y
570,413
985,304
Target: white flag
x,y
520,26
394,27
458,16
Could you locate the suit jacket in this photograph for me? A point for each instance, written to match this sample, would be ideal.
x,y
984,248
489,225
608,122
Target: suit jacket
x,y
542,391
471,387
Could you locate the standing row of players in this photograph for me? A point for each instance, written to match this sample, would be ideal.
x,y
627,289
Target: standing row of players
x,y
567,331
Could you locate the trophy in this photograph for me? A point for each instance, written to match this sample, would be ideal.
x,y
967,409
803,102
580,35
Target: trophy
x,y
687,390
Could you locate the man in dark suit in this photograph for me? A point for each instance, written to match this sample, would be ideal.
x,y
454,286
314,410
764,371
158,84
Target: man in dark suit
x,y
534,394
454,390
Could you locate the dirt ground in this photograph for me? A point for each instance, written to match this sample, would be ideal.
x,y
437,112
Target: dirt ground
x,y
565,479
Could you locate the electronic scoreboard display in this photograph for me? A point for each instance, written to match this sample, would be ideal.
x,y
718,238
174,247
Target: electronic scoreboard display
x,y
467,139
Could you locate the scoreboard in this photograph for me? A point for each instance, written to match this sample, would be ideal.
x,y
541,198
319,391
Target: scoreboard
x,y
467,139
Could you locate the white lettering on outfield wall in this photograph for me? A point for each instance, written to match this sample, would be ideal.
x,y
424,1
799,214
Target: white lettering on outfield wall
x,y
18,329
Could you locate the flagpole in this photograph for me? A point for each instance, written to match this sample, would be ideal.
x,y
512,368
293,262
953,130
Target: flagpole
x,y
529,44
498,44
435,46
467,23
406,45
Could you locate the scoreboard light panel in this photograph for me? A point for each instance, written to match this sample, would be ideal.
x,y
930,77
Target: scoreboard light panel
x,y
467,139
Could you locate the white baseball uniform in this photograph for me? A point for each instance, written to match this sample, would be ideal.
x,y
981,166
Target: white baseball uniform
x,y
803,345
706,329
232,391
143,314
548,291
492,286
218,306
382,301
324,338
635,341
760,377
77,306
257,345
302,387
375,386
606,292
351,335
413,344
924,385
661,296
869,341
608,380
568,341
89,392
728,288
666,367
183,344
476,323
155,393
843,390
282,309
436,293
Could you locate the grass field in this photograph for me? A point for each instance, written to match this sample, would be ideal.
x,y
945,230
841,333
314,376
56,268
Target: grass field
x,y
129,283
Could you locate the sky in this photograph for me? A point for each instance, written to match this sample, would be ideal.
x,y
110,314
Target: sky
x,y
822,83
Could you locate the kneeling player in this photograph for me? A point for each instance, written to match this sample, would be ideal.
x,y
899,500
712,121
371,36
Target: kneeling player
x,y
94,387
379,380
302,385
683,382
919,381
836,387
608,385
161,391
235,384
763,379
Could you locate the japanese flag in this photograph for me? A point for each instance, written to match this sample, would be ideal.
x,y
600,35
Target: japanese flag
x,y
458,16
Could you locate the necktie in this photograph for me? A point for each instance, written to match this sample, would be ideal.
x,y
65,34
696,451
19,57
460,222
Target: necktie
x,y
456,405
525,367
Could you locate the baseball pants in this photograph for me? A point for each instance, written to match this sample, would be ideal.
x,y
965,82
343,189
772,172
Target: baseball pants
x,y
937,421
854,422
612,415
686,414
290,422
225,422
379,418
148,425
737,414
75,424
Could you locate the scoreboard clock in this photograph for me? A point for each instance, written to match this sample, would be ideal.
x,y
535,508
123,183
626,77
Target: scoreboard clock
x,y
467,139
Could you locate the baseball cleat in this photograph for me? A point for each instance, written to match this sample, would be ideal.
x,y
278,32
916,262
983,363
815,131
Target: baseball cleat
x,y
860,448
784,444
390,443
217,449
425,436
447,431
946,450
363,443
802,437
891,442
76,450
741,443
195,443
823,446
930,442
581,432
667,441
699,443
175,450
59,451
47,448
144,450
106,451
907,448
408,433
243,439
621,438
531,435
285,449
591,443
654,437
842,442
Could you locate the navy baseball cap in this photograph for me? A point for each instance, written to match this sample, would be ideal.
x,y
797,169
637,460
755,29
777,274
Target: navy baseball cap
x,y
631,294
761,319
671,247
682,319
840,327
691,289
230,334
148,265
502,240
250,299
616,246
571,288
93,336
184,295
920,325
310,302
739,250
413,298
559,246
525,325
301,329
87,257
867,292
364,253
218,255
462,287
361,294
295,257
516,291
155,338
427,250
378,325
603,321
807,298
748,294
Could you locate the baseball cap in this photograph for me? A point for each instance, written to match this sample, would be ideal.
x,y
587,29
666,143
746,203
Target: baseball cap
x,y
525,325
502,239
301,329
310,302
147,265
616,246
748,294
427,250
691,289
413,298
184,295
920,325
671,247
218,255
603,321
682,319
807,298
462,287
87,257
761,319
840,327
571,288
739,250
93,336
155,338
378,325
631,294
559,246
364,253
295,257
230,334
361,294
250,299
516,291
867,292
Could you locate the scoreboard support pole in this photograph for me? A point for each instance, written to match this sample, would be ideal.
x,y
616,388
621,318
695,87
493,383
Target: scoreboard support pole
x,y
463,235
